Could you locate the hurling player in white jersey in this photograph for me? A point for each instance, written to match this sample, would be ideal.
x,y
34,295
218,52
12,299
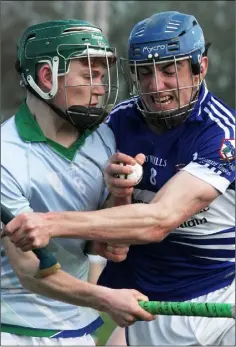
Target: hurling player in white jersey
x,y
180,218
53,152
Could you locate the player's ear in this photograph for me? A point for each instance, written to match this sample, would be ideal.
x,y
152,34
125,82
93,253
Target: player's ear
x,y
203,71
203,67
44,76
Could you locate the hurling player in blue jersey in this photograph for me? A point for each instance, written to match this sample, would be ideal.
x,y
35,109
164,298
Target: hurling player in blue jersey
x,y
180,223
187,137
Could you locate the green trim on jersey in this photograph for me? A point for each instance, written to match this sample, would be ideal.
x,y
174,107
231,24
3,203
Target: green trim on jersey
x,y
30,131
18,330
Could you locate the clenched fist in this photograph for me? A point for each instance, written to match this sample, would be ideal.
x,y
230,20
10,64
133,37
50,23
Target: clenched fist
x,y
113,252
29,230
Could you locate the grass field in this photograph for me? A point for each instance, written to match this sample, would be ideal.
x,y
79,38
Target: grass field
x,y
105,331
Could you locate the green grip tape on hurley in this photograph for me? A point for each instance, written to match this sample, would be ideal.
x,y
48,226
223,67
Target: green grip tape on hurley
x,y
189,309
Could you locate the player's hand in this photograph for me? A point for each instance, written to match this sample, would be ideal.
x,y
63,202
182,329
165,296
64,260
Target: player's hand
x,y
29,230
124,308
120,187
113,252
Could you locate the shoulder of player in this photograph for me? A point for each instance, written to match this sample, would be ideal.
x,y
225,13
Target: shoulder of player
x,y
124,106
104,131
9,135
105,136
13,148
218,112
217,120
8,126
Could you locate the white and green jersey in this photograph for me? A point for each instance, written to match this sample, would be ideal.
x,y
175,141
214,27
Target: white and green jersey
x,y
41,175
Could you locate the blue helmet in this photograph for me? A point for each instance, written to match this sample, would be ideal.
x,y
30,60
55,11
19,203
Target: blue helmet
x,y
165,35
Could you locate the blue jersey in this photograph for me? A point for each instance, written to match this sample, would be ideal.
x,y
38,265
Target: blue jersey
x,y
197,257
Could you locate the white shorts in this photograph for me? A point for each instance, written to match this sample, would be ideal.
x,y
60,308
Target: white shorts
x,y
20,340
187,331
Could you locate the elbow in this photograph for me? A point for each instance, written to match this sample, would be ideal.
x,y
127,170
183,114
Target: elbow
x,y
27,280
30,283
164,223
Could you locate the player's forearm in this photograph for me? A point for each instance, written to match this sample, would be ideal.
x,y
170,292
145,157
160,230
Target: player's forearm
x,y
64,287
58,286
124,224
112,201
22,262
179,199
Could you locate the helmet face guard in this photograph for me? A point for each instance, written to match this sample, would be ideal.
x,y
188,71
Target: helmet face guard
x,y
57,43
167,117
164,38
87,117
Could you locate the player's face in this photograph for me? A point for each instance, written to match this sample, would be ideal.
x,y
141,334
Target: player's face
x,y
164,87
81,86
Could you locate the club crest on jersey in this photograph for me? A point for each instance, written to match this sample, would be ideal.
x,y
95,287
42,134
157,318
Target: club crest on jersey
x,y
227,150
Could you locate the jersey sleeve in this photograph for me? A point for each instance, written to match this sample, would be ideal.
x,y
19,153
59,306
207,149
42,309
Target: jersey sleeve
x,y
113,123
12,193
110,144
121,118
214,159
110,122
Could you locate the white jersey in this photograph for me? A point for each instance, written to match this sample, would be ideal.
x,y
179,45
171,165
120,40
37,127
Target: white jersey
x,y
41,175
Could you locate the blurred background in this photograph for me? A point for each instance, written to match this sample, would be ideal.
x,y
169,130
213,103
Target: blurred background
x,y
117,18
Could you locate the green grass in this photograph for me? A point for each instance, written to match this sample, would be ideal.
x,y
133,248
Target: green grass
x,y
103,333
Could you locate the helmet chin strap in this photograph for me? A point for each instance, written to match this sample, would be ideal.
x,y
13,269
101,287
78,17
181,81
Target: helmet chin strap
x,y
81,117
163,121
171,120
